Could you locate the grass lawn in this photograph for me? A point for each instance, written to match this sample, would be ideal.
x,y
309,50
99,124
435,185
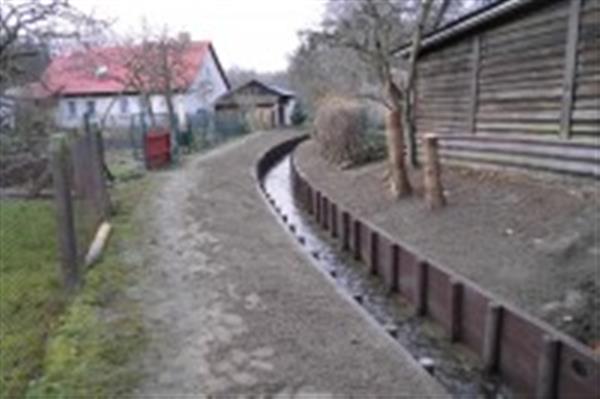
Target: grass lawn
x,y
88,354
80,346
30,293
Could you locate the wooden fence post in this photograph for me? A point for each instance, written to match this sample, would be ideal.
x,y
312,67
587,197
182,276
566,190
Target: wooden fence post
x,y
421,289
357,240
456,293
345,231
318,207
548,368
434,193
67,238
325,213
97,161
394,268
334,220
491,339
374,253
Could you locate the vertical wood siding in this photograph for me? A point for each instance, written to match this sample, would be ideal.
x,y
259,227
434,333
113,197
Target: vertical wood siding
x,y
510,83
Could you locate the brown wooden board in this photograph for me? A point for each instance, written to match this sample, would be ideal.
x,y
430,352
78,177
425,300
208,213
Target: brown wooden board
x,y
407,274
520,347
386,266
438,295
365,241
474,307
578,375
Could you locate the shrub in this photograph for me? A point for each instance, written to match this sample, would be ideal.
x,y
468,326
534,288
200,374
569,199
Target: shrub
x,y
298,115
340,131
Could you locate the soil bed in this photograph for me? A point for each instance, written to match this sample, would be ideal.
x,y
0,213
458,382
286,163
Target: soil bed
x,y
533,242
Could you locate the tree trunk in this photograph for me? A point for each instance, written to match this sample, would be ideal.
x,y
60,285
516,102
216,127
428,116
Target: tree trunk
x,y
148,105
434,193
399,182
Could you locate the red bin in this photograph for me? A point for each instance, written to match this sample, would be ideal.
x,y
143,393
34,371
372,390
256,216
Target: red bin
x,y
157,148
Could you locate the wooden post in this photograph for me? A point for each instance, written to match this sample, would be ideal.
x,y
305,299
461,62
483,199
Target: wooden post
x,y
357,240
325,213
456,293
67,238
97,162
491,339
334,221
434,192
345,231
318,207
374,253
570,69
310,200
474,100
546,386
421,287
394,267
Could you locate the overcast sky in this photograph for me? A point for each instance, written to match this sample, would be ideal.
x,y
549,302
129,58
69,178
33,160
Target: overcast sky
x,y
256,34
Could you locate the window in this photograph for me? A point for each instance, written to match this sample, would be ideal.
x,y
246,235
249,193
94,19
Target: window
x,y
72,109
124,103
91,107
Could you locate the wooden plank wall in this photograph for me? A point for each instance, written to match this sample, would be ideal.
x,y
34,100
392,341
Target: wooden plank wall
x,y
519,92
586,110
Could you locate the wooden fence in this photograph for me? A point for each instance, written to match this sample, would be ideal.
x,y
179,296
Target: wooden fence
x,y
530,79
532,357
81,197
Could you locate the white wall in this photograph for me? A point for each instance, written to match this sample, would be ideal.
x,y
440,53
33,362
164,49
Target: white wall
x,y
103,104
288,111
197,97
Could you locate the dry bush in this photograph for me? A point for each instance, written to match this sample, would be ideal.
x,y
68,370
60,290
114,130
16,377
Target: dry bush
x,y
340,131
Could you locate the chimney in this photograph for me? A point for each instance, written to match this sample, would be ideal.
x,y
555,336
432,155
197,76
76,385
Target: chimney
x,y
184,37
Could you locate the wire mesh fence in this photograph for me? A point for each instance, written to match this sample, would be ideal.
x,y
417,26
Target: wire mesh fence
x,y
125,142
52,200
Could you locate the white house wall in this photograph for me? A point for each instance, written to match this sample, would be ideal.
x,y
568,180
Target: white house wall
x,y
196,98
109,106
288,111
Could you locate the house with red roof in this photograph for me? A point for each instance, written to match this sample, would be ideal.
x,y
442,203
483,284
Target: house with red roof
x,y
102,82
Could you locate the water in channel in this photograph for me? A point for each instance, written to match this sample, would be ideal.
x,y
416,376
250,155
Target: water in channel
x,y
456,369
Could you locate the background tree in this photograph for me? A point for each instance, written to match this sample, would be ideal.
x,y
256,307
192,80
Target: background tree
x,y
238,76
373,29
369,49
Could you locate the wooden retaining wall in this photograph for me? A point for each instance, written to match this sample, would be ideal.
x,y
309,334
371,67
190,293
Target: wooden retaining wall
x,y
531,79
532,357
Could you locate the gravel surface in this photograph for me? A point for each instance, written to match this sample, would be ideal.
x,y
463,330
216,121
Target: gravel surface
x,y
233,305
533,242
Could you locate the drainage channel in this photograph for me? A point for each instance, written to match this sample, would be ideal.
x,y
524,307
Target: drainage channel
x,y
455,368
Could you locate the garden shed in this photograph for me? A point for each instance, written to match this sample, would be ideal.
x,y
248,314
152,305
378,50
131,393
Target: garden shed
x,y
259,104
516,84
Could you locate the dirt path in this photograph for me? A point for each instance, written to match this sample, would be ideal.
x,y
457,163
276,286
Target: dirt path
x,y
233,306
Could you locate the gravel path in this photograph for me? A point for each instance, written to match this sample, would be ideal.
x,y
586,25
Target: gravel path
x,y
535,243
234,307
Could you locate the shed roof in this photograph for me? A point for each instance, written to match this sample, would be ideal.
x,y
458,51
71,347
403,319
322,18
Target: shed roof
x,y
278,91
474,21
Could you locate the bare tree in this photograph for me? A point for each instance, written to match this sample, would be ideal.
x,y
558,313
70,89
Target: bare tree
x,y
29,31
373,29
27,23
